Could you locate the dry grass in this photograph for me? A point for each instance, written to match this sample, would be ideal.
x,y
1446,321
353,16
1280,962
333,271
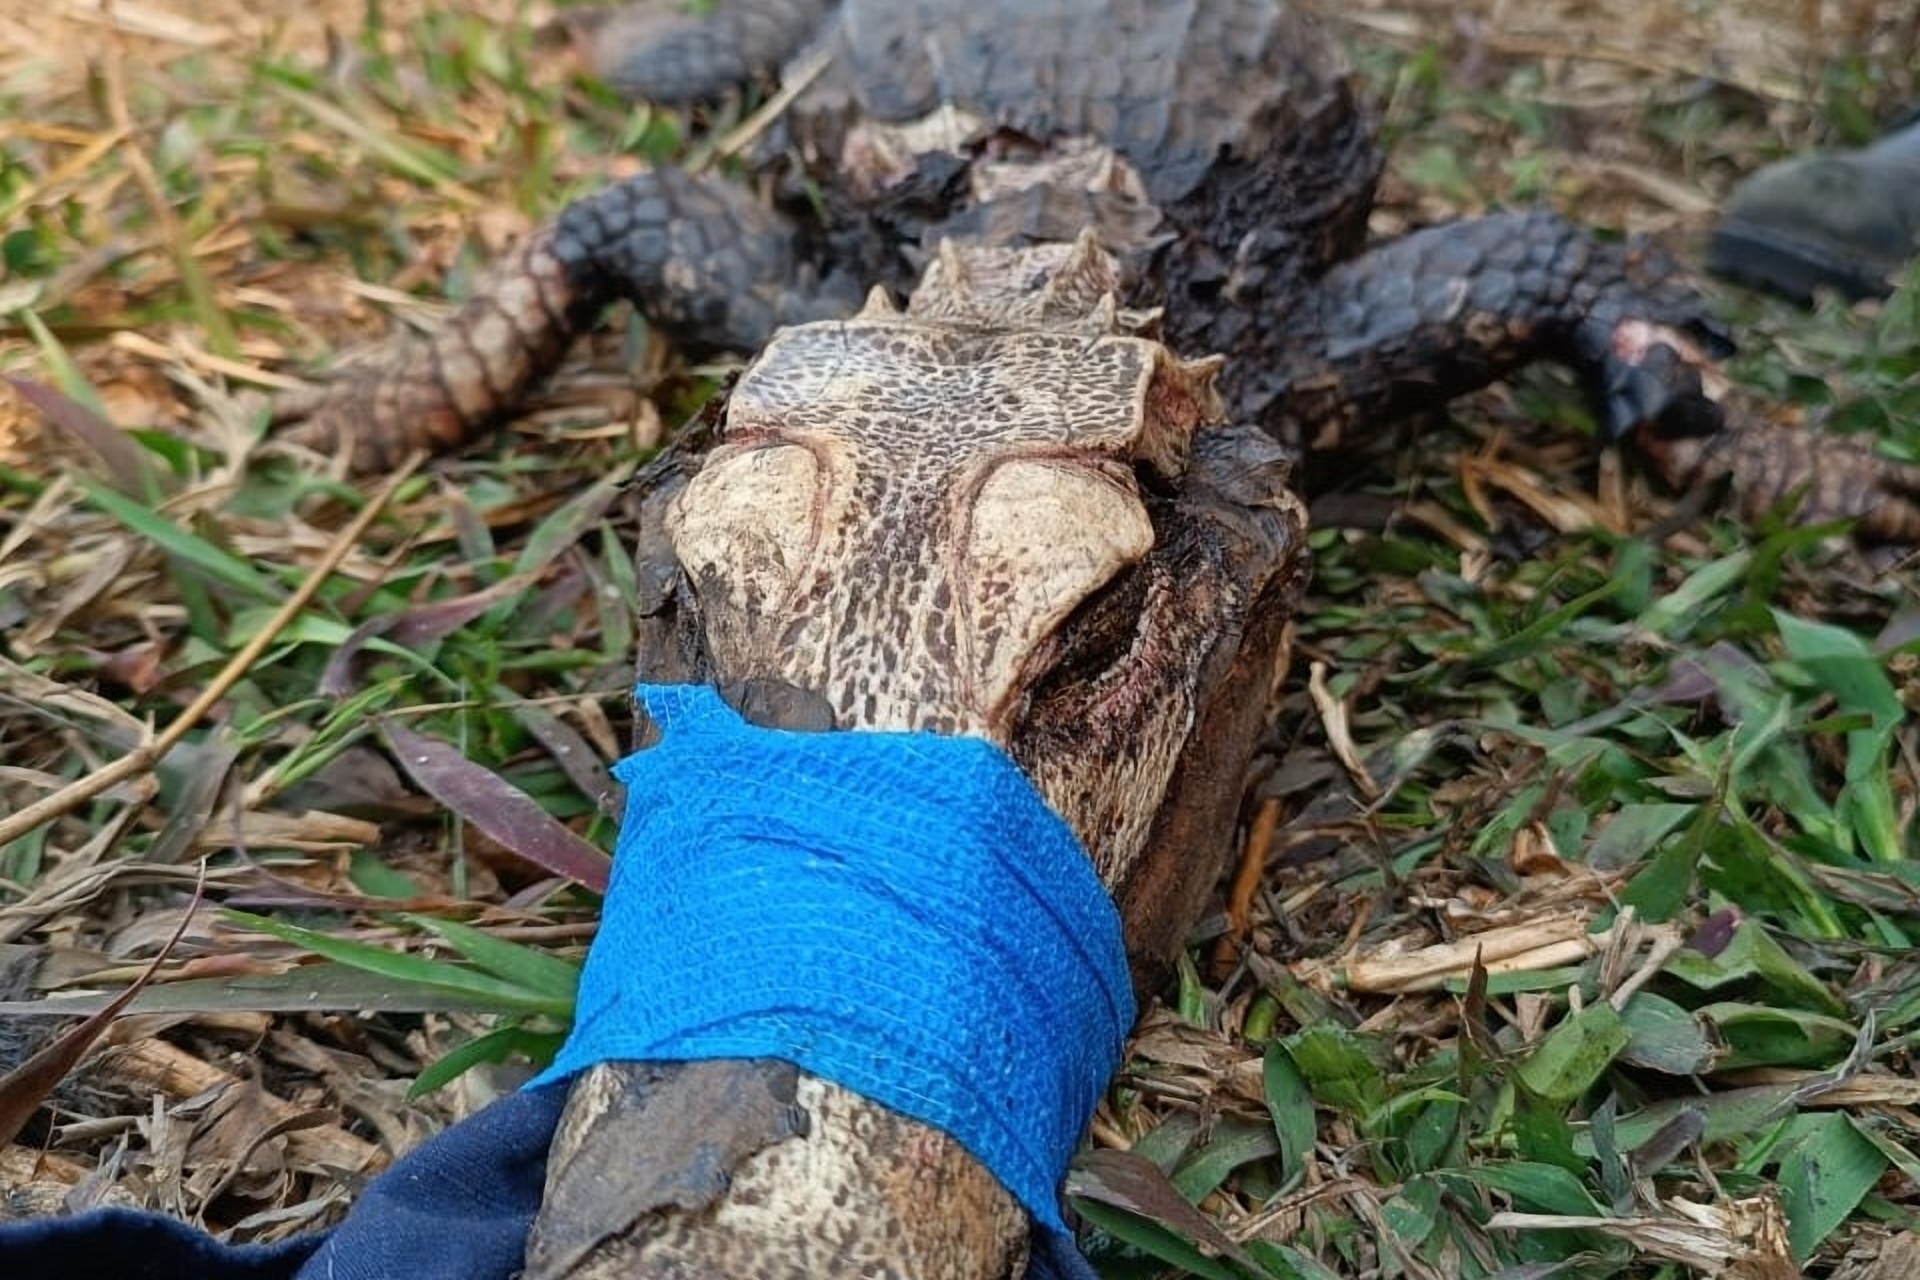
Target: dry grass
x,y
200,201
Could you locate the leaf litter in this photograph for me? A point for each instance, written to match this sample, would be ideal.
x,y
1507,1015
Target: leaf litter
x,y
1574,933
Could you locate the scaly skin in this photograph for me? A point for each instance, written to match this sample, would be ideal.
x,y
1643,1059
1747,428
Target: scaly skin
x,y
1239,121
709,264
1806,476
1445,310
935,521
660,51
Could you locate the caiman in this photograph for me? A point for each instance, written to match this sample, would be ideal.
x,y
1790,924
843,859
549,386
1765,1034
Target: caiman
x,y
1046,502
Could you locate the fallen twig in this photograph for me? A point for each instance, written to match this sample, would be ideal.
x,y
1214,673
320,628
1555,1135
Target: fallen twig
x,y
148,754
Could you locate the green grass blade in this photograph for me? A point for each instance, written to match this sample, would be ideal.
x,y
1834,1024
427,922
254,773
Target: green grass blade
x,y
183,546
507,997
526,967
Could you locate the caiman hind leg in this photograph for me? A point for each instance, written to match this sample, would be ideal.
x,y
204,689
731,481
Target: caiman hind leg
x,y
1814,477
699,257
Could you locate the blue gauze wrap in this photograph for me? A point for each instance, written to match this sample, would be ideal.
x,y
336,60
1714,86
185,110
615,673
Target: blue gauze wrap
x,y
900,913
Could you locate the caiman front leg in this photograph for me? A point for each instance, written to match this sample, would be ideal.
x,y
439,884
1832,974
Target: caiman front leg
x,y
699,257
1451,308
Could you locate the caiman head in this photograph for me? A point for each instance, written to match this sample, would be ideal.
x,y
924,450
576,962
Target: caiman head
x,y
1007,511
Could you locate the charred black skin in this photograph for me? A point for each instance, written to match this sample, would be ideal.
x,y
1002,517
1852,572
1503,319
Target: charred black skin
x,y
1259,163
1261,191
1443,311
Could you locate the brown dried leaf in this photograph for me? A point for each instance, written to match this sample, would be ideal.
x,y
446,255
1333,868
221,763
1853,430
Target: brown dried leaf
x,y
568,747
359,782
311,831
412,628
1894,1257
23,1089
126,464
500,810
1137,1185
1741,1239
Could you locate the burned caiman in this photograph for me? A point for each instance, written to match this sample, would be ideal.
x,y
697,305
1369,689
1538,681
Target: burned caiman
x,y
1240,206
1034,505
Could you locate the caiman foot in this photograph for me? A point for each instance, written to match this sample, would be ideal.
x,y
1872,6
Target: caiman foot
x,y
1447,310
437,393
1812,477
1649,375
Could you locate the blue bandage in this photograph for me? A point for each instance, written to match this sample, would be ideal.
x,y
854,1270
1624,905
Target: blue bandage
x,y
900,913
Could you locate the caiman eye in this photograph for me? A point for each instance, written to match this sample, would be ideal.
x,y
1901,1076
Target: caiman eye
x,y
1044,537
747,520
1096,637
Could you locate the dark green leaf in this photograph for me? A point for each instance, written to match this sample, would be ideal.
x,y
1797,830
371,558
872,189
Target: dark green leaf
x,y
1751,955
1337,1068
1764,1036
400,966
1291,1106
1574,1054
529,967
499,1045
1826,1169
1536,1188
1665,1037
1231,1144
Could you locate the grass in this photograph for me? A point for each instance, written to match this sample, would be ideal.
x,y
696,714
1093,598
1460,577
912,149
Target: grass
x,y
1583,939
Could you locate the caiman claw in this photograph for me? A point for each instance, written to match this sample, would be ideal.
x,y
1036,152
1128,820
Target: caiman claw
x,y
1646,373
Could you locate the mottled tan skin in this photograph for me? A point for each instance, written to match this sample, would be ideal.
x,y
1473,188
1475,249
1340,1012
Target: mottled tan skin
x,y
1009,514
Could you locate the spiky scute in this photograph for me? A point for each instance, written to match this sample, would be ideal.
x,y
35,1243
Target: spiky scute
x,y
998,421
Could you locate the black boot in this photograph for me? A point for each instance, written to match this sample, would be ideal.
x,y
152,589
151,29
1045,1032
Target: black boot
x,y
1846,221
